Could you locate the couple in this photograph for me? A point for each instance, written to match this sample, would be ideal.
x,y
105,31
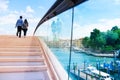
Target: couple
x,y
21,26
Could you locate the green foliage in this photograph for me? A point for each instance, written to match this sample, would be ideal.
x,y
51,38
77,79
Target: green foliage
x,y
94,43
118,32
94,34
107,48
111,38
117,46
85,42
114,28
103,41
100,41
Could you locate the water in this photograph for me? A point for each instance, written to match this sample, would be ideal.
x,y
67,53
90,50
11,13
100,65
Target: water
x,y
79,58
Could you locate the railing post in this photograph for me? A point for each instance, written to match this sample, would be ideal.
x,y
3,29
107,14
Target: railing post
x,y
86,76
71,42
78,74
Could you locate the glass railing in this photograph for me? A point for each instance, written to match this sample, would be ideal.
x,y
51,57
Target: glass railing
x,y
57,34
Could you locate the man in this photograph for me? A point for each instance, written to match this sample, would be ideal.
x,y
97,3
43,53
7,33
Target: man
x,y
19,25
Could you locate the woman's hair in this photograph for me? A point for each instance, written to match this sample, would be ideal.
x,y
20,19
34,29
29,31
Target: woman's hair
x,y
25,21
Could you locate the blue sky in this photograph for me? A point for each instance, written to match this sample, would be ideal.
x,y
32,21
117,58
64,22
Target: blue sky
x,y
101,14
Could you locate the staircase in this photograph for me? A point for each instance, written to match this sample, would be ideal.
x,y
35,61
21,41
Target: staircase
x,y
23,59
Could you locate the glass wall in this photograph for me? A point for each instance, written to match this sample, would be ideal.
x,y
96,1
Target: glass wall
x,y
101,15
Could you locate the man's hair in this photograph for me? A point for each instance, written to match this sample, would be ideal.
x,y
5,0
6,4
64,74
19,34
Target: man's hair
x,y
20,17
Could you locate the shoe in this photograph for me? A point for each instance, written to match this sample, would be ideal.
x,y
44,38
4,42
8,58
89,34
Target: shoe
x,y
16,34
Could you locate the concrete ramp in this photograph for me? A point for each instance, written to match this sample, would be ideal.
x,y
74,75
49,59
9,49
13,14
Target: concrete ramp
x,y
24,59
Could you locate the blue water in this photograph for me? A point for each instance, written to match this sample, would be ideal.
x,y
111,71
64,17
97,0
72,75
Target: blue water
x,y
79,58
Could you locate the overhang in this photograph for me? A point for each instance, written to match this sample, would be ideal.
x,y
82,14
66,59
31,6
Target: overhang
x,y
58,7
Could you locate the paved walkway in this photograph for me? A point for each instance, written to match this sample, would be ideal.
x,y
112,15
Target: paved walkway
x,y
24,59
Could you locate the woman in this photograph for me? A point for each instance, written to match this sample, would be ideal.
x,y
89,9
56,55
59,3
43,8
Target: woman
x,y
25,27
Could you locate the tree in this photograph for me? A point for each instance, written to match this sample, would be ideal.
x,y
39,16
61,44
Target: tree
x,y
103,41
114,28
94,34
117,44
93,38
100,41
85,42
111,38
118,32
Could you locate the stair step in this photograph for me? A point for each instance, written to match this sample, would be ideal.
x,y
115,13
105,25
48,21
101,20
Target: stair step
x,y
22,68
15,41
21,47
21,57
31,47
42,75
21,63
20,50
21,60
20,54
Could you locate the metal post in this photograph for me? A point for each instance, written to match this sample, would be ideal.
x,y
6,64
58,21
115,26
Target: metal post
x,y
118,70
99,70
78,74
86,76
84,64
114,56
71,42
